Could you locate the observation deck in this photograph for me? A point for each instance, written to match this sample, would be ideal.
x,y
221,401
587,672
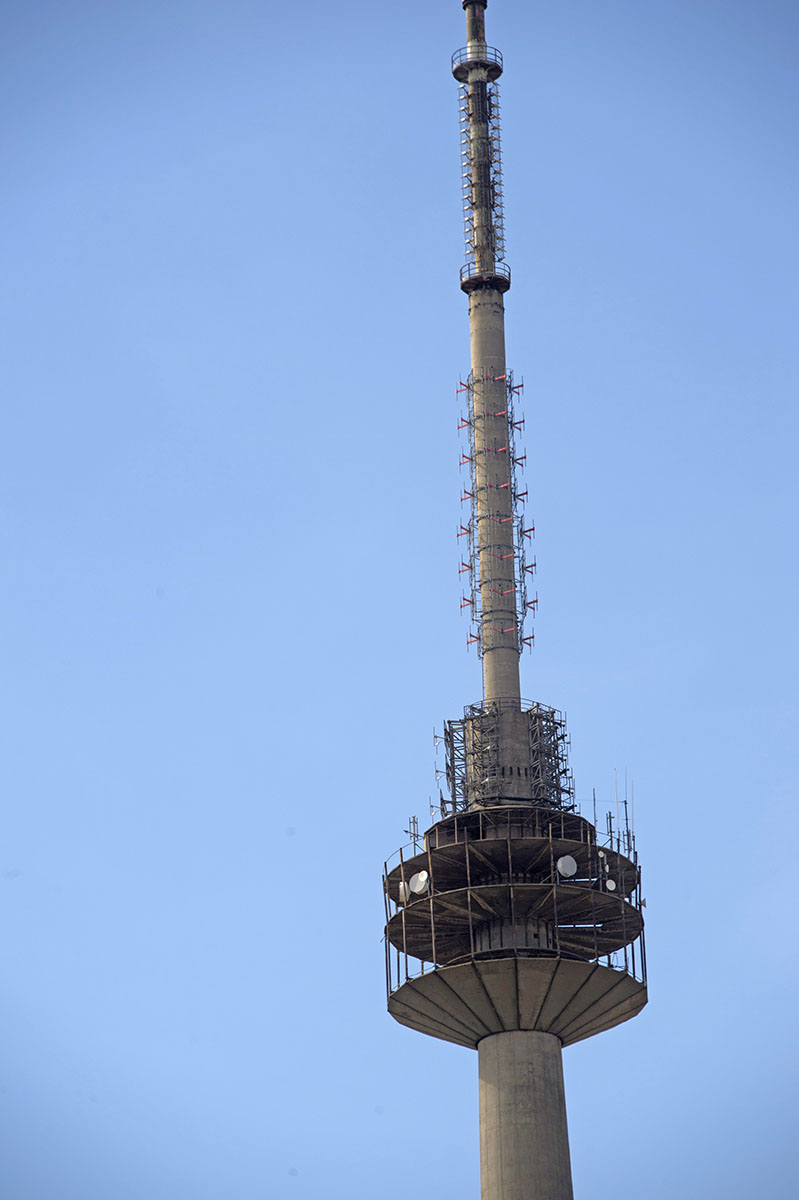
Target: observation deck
x,y
477,56
473,278
514,918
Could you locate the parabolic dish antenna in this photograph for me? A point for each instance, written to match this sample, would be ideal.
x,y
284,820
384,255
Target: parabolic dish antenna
x,y
610,885
567,866
419,882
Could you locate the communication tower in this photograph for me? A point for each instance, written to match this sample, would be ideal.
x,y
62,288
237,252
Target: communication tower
x,y
512,925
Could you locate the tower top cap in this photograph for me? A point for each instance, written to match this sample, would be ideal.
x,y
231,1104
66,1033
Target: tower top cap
x,y
466,3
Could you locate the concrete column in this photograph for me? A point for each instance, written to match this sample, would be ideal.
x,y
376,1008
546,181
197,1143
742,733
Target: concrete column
x,y
524,1142
500,650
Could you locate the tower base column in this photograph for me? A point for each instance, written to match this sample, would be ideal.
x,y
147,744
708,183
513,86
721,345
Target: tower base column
x,y
524,1142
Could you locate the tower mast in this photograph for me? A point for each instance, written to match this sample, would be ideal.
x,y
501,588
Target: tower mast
x,y
485,278
514,927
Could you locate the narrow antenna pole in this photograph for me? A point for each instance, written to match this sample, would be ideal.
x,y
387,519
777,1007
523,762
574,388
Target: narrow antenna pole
x,y
616,787
497,531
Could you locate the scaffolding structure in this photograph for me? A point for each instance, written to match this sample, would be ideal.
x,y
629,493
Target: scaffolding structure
x,y
553,782
474,771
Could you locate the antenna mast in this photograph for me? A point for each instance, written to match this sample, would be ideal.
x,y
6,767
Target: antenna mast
x,y
496,528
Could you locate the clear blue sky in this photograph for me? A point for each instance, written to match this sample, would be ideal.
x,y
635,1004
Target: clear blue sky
x,y
228,500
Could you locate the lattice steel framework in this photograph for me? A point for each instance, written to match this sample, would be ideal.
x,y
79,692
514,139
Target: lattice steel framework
x,y
472,757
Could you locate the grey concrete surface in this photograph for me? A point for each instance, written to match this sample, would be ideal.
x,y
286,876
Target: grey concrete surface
x,y
524,1141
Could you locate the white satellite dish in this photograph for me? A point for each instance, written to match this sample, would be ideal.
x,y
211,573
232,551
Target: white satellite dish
x,y
419,883
567,866
610,885
404,893
601,853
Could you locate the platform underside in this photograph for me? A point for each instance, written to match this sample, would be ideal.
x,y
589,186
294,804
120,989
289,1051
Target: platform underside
x,y
473,1000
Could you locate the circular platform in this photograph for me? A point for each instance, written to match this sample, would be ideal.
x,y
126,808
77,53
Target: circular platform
x,y
470,1001
472,279
477,57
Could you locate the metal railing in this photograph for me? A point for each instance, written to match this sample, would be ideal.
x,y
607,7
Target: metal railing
x,y
459,828
499,270
402,967
472,56
593,876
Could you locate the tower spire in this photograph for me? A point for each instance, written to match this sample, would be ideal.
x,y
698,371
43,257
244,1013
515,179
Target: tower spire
x,y
496,531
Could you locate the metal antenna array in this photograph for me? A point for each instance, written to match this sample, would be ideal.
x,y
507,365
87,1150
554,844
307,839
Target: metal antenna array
x,y
496,538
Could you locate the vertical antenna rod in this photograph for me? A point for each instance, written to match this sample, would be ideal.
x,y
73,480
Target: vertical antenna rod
x,y
495,531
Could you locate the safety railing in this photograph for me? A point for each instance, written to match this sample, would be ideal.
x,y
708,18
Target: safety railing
x,y
477,55
499,270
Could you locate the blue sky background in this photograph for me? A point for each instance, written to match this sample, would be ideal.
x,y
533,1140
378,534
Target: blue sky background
x,y
229,495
